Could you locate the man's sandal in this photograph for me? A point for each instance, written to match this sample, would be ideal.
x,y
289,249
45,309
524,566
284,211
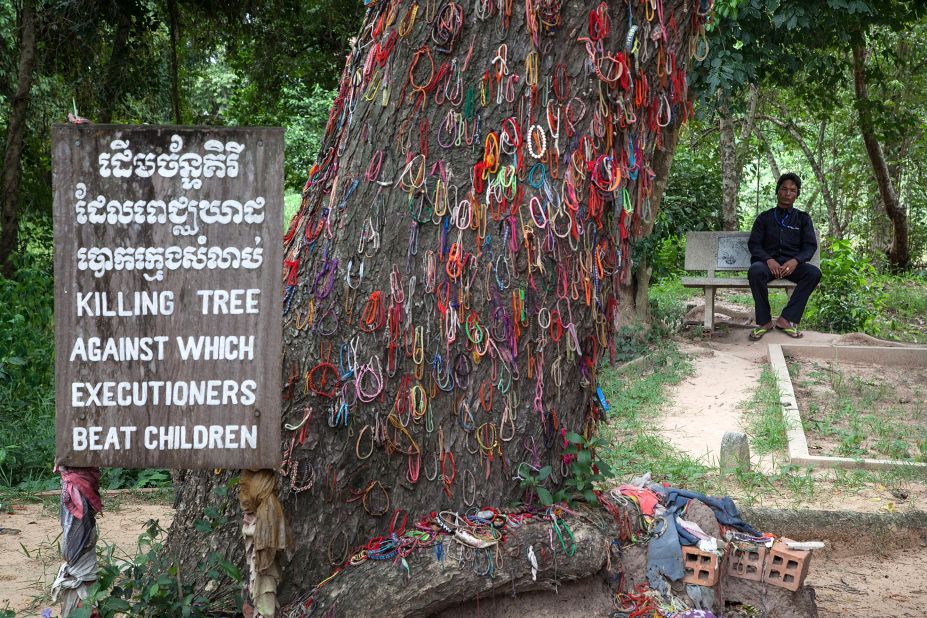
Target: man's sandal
x,y
791,330
757,333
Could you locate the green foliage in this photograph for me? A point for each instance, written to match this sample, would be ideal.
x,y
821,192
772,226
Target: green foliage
x,y
218,93
152,583
305,118
692,201
532,482
125,478
27,353
753,41
904,309
846,299
668,303
587,470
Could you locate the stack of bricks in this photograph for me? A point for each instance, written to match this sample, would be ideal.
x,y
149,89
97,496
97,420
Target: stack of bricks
x,y
778,565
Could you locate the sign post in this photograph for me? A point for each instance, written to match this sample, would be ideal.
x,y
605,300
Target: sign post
x,y
168,296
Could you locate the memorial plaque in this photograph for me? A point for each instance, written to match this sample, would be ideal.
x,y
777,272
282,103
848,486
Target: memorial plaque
x,y
168,290
733,253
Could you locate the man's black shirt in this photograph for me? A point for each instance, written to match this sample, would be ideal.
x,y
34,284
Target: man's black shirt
x,y
782,235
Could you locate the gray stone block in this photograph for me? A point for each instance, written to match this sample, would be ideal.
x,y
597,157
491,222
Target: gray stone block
x,y
735,452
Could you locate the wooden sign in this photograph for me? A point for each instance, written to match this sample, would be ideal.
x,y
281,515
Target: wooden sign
x,y
168,295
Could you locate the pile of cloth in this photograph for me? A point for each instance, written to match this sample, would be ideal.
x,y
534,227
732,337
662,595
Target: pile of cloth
x,y
664,510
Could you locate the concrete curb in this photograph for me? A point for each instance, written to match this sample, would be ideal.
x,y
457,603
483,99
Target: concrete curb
x,y
795,433
843,531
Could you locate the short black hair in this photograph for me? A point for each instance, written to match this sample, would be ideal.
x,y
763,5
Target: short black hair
x,y
789,176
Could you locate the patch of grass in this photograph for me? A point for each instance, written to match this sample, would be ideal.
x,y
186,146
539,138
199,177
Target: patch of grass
x,y
637,395
291,202
668,302
902,316
777,300
765,423
871,415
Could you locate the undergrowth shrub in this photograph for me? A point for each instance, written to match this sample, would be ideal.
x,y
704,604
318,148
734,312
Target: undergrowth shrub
x,y
151,583
848,297
27,359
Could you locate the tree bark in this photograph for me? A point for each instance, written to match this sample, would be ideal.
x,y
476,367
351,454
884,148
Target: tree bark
x,y
175,71
767,151
899,257
730,168
16,129
732,152
441,584
420,364
112,83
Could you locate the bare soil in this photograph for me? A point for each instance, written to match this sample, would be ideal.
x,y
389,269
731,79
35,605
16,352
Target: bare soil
x,y
30,546
862,410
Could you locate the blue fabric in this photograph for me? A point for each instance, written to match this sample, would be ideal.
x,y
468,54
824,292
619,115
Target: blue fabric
x,y
724,508
664,557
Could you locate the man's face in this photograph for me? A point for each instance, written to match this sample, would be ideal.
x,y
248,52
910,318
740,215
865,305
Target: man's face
x,y
786,194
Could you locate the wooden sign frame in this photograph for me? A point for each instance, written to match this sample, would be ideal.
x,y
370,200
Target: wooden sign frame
x,y
168,295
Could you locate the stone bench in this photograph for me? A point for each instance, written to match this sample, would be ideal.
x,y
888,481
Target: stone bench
x,y
723,252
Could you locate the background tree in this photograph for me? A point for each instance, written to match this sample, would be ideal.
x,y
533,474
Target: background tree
x,y
461,260
813,50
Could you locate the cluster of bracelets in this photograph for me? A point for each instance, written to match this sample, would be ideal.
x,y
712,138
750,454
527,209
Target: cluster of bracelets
x,y
480,533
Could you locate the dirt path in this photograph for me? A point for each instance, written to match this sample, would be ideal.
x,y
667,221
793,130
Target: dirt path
x,y
25,579
708,404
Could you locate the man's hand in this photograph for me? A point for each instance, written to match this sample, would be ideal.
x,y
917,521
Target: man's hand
x,y
788,268
774,267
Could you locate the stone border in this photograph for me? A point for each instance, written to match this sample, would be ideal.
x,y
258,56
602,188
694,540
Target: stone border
x,y
798,443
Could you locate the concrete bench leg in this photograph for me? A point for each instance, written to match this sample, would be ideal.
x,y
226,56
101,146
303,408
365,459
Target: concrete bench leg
x,y
709,309
788,292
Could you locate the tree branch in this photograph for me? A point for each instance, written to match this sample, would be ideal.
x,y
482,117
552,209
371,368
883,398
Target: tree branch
x,y
767,150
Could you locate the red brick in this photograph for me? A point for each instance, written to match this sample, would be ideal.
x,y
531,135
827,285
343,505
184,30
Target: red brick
x,y
701,567
786,567
747,561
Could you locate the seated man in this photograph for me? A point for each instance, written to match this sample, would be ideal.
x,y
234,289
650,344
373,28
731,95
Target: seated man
x,y
781,244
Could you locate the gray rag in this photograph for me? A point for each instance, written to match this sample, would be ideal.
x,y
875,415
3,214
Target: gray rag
x,y
664,555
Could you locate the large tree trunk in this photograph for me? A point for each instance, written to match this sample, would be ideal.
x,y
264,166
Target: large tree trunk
x,y
438,331
16,130
899,257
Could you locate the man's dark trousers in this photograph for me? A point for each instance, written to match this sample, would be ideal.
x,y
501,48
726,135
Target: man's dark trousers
x,y
806,277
